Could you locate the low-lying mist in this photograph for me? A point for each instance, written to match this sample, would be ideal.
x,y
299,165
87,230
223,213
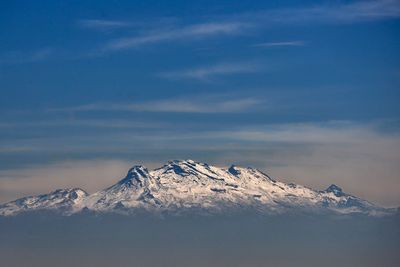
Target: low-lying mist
x,y
237,240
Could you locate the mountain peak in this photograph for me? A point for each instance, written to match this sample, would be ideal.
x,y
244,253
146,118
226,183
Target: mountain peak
x,y
336,190
135,176
73,191
184,162
182,167
233,169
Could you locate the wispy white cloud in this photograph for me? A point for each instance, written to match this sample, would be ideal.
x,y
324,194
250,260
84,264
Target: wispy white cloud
x,y
279,44
239,24
98,24
312,133
194,104
206,106
201,30
222,25
358,11
88,123
350,12
205,73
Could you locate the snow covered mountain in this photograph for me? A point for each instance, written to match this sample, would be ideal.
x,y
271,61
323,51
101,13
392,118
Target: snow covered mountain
x,y
187,186
66,201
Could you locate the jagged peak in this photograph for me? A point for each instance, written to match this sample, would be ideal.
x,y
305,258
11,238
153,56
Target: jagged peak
x,y
136,175
184,162
174,165
138,170
181,167
235,170
70,192
336,190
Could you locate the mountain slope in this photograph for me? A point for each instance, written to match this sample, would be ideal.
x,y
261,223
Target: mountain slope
x,y
182,186
65,201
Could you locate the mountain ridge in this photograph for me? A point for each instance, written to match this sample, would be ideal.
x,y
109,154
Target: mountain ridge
x,y
185,185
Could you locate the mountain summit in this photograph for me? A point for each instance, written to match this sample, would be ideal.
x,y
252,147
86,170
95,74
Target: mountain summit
x,y
187,186
336,190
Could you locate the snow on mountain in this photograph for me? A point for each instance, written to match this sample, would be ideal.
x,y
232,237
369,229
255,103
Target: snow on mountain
x,y
65,201
186,185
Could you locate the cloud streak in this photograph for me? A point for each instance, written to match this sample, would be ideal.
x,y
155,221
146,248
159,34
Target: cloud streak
x,y
194,104
190,32
231,25
150,33
89,123
206,73
98,24
352,12
280,44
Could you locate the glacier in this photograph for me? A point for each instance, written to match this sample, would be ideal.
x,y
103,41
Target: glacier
x,y
186,186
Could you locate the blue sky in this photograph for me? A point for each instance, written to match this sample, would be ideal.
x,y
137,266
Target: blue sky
x,y
307,90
